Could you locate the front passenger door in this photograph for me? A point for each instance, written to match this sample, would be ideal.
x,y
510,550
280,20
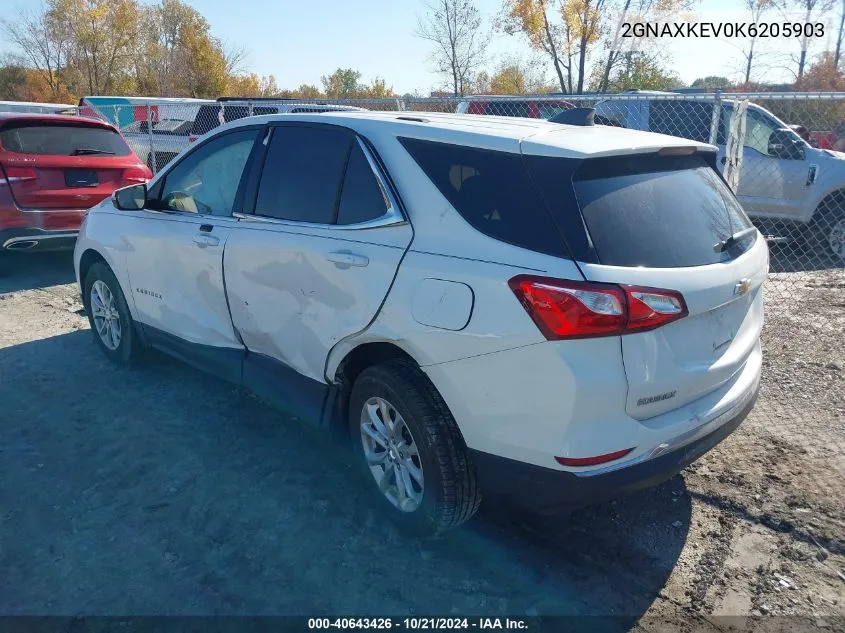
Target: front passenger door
x,y
175,254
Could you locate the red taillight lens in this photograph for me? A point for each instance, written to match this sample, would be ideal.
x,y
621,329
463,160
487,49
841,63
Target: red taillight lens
x,y
593,461
565,309
137,174
20,174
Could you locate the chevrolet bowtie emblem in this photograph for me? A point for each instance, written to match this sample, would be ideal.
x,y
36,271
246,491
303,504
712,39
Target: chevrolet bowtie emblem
x,y
742,286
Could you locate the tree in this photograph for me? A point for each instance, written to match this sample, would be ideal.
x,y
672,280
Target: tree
x,y
530,18
812,10
757,9
621,50
711,83
341,84
455,29
40,46
837,55
644,72
102,34
566,42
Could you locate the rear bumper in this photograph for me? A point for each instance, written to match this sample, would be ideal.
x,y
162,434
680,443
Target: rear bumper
x,y
546,490
34,239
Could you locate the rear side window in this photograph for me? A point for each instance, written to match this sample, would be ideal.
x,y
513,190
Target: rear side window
x,y
362,198
492,191
658,212
62,140
302,174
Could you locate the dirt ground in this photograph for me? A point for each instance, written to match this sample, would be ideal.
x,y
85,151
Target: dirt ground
x,y
159,490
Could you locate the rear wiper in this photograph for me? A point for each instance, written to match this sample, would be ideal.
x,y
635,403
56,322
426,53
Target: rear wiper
x,y
82,151
733,239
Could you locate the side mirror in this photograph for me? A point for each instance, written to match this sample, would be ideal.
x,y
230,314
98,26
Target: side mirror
x,y
784,144
132,198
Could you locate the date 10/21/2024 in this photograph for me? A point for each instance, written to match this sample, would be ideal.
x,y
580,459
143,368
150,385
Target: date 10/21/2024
x,y
418,623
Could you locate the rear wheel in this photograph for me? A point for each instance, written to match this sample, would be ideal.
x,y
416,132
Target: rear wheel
x,y
827,230
109,317
410,449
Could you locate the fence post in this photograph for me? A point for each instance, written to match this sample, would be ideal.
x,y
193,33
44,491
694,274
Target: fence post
x,y
152,158
714,122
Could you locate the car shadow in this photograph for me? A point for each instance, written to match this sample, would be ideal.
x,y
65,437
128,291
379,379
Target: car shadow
x,y
27,271
160,490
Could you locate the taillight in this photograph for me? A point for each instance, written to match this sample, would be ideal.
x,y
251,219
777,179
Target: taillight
x,y
137,174
20,174
577,309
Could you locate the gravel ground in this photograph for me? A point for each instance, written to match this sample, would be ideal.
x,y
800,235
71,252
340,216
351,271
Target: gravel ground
x,y
160,490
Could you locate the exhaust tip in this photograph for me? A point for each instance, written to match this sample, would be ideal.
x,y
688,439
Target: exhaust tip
x,y
23,245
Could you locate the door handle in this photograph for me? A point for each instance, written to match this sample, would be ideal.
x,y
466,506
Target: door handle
x,y
724,159
206,240
345,259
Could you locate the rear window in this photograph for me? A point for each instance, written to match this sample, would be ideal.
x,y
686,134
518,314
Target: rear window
x,y
62,140
492,191
658,212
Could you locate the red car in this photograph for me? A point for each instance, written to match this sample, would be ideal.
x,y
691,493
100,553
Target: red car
x,y
530,108
53,168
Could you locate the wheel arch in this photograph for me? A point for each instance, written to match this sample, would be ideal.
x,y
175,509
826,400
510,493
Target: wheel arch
x,y
821,203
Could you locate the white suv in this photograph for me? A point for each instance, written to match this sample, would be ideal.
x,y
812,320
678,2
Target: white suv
x,y
514,308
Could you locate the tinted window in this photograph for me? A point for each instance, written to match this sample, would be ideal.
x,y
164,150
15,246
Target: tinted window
x,y
62,140
362,198
207,179
508,108
491,190
687,119
302,174
633,212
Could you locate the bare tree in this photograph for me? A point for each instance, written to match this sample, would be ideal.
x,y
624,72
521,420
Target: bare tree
x,y
454,27
757,8
41,45
812,10
237,58
838,53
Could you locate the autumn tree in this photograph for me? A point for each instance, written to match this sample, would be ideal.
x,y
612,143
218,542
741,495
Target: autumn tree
x,y
534,19
454,27
621,50
39,46
101,35
643,72
711,83
341,84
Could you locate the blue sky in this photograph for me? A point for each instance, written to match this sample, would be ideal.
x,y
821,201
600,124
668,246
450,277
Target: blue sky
x,y
299,41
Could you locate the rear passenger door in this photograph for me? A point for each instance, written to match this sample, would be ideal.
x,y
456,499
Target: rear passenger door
x,y
312,257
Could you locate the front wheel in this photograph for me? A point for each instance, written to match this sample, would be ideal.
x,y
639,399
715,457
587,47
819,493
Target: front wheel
x,y
827,230
411,450
108,315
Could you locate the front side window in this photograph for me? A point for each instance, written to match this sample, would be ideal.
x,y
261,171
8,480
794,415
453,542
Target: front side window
x,y
207,179
302,173
758,130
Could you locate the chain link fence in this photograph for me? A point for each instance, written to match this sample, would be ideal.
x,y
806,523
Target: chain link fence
x,y
775,150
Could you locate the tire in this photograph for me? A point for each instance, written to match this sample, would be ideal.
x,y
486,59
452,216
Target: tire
x,y
449,494
128,346
826,232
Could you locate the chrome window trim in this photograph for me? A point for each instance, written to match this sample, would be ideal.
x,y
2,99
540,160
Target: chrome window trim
x,y
393,215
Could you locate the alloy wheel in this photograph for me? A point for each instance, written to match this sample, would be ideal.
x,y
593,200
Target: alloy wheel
x,y
105,314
